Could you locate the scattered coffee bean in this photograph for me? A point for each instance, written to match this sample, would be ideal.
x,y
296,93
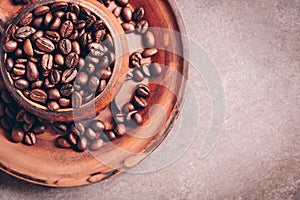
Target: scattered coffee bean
x,y
82,143
97,126
120,130
32,71
30,139
28,50
17,135
126,14
96,145
139,102
45,45
155,69
62,142
42,10
149,52
142,26
149,39
109,136
60,127
38,95
72,138
142,91
122,2
53,105
10,46
128,27
145,69
138,14
137,75
21,84
136,59
90,134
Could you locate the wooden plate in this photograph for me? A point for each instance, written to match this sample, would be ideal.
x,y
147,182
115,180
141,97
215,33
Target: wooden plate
x,y
48,165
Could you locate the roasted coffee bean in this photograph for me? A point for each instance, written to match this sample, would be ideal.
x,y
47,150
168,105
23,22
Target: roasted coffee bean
x,y
48,19
128,107
117,11
71,17
6,123
55,24
145,69
109,136
138,76
62,142
86,38
82,143
39,129
24,32
19,52
90,134
59,14
38,22
63,102
5,97
76,47
53,105
80,24
92,59
59,59
62,6
66,29
21,61
10,64
32,71
84,12
139,102
17,135
27,47
47,62
26,19
90,69
78,129
54,77
106,74
48,84
96,145
120,130
149,39
99,35
119,118
21,84
90,22
38,95
94,83
10,46
122,2
97,126
128,27
36,35
30,139
53,36
127,14
155,69
54,94
99,25
138,14
142,91
82,78
67,90
134,119
60,127
104,62
76,100
72,139
42,10
65,46
74,35
96,49
72,60
20,115
45,45
37,84
29,118
142,26
136,59
69,75
149,52
102,86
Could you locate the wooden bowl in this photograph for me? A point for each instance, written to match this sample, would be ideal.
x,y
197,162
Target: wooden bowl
x,y
47,165
104,98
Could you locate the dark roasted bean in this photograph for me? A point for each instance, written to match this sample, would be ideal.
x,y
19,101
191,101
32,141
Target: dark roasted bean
x,y
134,119
67,90
27,47
38,22
17,135
60,127
21,84
120,130
138,14
76,47
102,86
55,24
10,64
66,29
139,102
5,97
69,75
136,59
20,116
38,95
47,62
117,11
30,139
71,17
62,142
82,143
10,46
53,36
45,45
127,14
32,71
65,46
142,91
61,6
37,35
39,129
37,84
26,19
42,10
64,102
142,26
54,77
90,69
59,59
96,49
29,118
48,19
24,32
54,94
53,105
72,60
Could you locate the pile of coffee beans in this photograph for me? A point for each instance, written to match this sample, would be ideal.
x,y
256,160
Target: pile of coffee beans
x,y
20,124
59,55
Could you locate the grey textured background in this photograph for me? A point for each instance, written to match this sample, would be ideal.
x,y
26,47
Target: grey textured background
x,y
256,47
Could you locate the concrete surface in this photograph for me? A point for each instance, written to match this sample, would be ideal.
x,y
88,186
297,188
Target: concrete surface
x,y
256,47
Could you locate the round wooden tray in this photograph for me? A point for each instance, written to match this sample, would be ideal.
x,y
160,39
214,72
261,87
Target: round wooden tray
x,y
47,165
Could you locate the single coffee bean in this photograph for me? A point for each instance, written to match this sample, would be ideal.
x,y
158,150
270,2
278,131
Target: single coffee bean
x,y
74,35
70,16
53,105
109,136
76,100
120,130
17,135
38,95
127,14
72,60
149,52
90,22
45,45
119,118
20,116
99,35
122,2
54,94
139,102
128,27
38,22
80,24
75,9
92,59
67,90
30,139
72,139
128,107
136,59
54,77
29,118
37,84
59,59
60,127
117,11
26,19
82,143
134,119
84,12
138,14
48,19
94,83
96,145
36,35
21,61
10,46
24,32
5,97
102,86
65,46
48,84
62,142
63,102
142,91
96,49
32,71
142,26
27,47
77,131
149,39
138,76
6,123
90,134
47,62
19,52
97,126
69,75
10,64
76,47
66,29
61,6
80,127
155,69
59,14
55,24
90,68
106,74
53,36
21,84
42,10
39,129
82,78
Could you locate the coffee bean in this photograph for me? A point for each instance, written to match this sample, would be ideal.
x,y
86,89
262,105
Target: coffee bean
x,y
24,32
54,77
76,100
27,47
75,9
127,14
66,29
142,91
6,123
32,72
97,126
120,130
134,119
106,74
84,12
38,95
128,27
29,118
82,143
62,142
109,136
82,78
63,102
21,84
74,35
48,19
90,134
17,135
99,25
67,90
60,127
90,69
149,52
149,39
99,35
92,59
138,76
38,22
5,97
48,84
138,14
37,35
65,46
20,116
117,11
10,46
96,49
139,102
129,76
53,105
72,138
145,69
37,84
42,10
39,129
19,52
69,75
155,69
59,14
128,107
47,62
55,23
136,59
71,17
102,86
10,64
94,83
90,22
104,62
72,60
96,145
78,129
59,59
26,19
76,47
53,36
122,2
30,139
54,94
45,45
62,6
142,26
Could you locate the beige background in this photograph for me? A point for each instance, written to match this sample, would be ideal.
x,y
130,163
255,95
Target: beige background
x,y
256,47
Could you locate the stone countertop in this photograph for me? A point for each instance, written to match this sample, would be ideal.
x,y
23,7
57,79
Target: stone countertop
x,y
256,48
